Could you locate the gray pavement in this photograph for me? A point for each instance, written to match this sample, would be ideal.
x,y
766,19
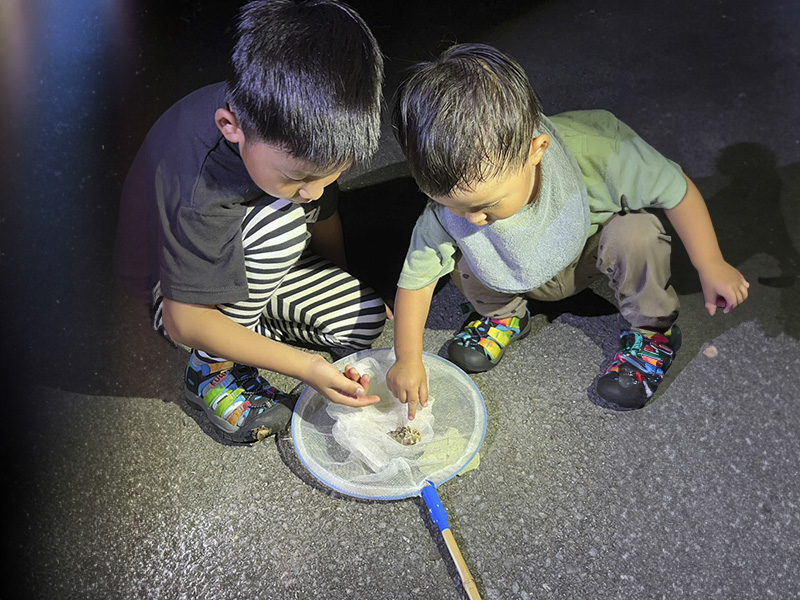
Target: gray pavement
x,y
117,489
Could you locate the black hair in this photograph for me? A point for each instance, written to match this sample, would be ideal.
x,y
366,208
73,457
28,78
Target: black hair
x,y
306,77
468,115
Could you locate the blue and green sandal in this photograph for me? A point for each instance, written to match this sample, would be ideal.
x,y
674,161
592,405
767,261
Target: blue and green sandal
x,y
482,341
238,402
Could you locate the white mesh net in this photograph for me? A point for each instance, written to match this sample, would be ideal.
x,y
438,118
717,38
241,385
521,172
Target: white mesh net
x,y
352,449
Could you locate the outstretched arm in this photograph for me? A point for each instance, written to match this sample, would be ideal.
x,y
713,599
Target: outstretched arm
x,y
407,379
205,328
723,285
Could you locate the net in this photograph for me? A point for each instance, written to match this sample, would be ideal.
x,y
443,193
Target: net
x,y
359,452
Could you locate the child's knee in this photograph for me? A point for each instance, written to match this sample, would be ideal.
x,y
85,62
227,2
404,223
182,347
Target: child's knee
x,y
634,234
361,331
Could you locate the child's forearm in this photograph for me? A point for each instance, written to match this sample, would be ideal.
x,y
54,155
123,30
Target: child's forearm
x,y
205,328
692,222
410,313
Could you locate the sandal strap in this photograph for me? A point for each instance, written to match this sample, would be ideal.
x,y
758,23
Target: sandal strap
x,y
648,353
235,389
488,332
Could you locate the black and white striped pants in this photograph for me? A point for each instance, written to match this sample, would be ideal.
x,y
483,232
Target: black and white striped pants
x,y
296,296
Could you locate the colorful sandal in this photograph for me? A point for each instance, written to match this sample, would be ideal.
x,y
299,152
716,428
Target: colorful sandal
x,y
482,342
238,402
638,368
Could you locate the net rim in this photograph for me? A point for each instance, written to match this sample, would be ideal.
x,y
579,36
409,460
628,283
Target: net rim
x,y
416,491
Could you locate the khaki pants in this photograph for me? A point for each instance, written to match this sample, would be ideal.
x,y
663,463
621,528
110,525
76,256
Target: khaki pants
x,y
631,250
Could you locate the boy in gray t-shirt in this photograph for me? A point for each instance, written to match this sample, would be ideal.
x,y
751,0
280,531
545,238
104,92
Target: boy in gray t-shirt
x,y
525,207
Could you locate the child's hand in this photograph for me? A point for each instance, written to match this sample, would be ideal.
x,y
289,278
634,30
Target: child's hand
x,y
409,383
353,375
723,286
349,388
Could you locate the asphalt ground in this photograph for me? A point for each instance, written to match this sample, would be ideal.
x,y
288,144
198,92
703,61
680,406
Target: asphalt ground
x,y
116,488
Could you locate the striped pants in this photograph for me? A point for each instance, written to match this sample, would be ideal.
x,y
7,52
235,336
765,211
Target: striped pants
x,y
294,295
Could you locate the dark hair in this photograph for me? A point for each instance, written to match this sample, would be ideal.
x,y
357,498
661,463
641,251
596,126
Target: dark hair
x,y
306,77
466,116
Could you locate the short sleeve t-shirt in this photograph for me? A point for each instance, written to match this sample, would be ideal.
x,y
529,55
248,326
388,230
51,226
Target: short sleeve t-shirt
x,y
183,203
621,171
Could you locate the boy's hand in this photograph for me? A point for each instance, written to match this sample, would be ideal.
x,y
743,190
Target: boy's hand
x,y
723,286
408,381
353,375
349,388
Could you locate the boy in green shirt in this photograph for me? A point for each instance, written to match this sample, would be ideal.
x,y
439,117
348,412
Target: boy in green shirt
x,y
525,207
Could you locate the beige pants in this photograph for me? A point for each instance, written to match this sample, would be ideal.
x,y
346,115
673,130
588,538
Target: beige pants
x,y
631,250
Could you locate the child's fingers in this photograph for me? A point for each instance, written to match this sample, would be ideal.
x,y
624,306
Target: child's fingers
x,y
364,381
738,296
353,374
348,400
743,292
412,407
419,398
734,301
728,300
353,393
351,388
423,395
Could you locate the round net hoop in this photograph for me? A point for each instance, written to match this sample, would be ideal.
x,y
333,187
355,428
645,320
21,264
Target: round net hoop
x,y
360,451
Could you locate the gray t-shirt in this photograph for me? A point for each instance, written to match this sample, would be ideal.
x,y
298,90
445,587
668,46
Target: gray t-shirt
x,y
614,167
183,203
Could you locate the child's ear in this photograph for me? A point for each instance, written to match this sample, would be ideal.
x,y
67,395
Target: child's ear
x,y
228,125
538,146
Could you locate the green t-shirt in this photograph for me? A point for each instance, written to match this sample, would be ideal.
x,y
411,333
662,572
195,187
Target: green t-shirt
x,y
621,171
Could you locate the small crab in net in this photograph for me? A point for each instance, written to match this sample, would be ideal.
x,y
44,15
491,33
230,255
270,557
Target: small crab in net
x,y
408,436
